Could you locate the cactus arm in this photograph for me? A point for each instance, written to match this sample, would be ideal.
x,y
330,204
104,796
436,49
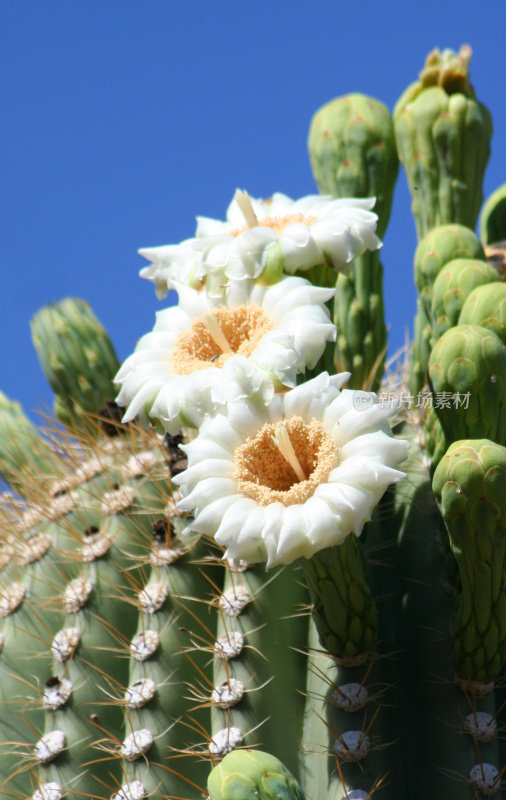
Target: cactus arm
x,y
359,318
443,140
352,152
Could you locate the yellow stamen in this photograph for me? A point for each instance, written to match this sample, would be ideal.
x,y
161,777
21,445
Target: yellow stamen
x,y
216,333
242,326
277,224
263,473
243,200
282,441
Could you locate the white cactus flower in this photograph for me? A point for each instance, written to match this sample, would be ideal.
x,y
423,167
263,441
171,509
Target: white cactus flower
x,y
201,355
277,234
172,265
274,483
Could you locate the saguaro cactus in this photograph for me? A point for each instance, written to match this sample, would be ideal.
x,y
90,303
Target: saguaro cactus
x,y
223,573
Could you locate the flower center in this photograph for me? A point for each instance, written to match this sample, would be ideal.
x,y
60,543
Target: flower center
x,y
268,471
220,333
278,224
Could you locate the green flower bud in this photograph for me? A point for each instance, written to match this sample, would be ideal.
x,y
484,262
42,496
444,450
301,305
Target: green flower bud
x,y
486,306
440,246
77,357
252,775
437,248
467,374
452,286
493,217
443,139
470,488
343,610
352,151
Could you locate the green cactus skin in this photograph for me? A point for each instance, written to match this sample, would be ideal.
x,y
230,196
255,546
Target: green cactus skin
x,y
28,570
41,537
443,140
22,448
486,306
467,374
100,545
470,488
359,318
352,151
492,224
451,288
267,662
169,716
89,521
437,248
344,726
252,775
68,333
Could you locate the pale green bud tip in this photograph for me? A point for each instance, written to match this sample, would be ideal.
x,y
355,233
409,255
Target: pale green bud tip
x,y
449,70
252,775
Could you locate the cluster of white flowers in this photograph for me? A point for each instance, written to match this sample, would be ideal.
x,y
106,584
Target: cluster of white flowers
x,y
276,471
261,235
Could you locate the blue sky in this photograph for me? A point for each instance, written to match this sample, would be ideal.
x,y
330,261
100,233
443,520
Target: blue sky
x,y
124,119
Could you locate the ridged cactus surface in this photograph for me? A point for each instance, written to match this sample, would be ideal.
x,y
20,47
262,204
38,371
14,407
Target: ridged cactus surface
x,y
228,570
